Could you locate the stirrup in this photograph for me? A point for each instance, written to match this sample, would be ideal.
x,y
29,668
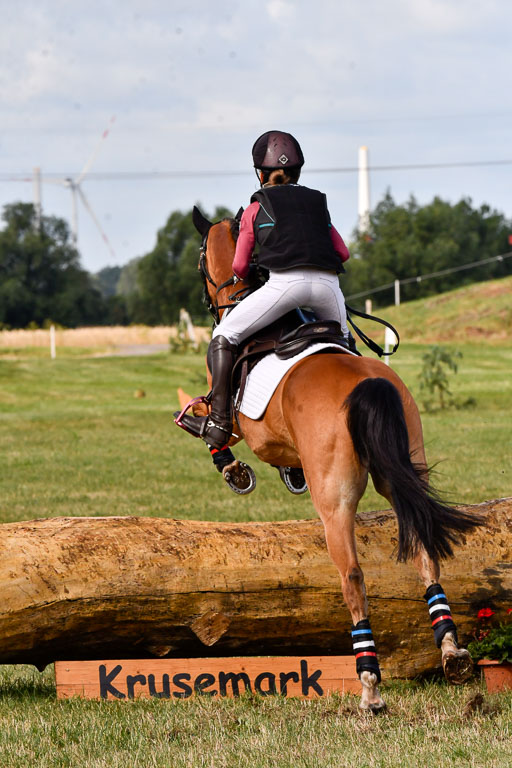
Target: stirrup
x,y
293,478
178,415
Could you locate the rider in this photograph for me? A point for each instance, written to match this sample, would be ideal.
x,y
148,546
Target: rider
x,y
303,253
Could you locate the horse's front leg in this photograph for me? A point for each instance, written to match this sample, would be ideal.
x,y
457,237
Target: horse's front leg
x,y
457,663
338,516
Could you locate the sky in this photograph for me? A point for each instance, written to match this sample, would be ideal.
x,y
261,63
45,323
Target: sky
x,y
181,90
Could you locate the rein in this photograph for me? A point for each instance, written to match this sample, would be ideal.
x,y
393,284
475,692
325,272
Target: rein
x,y
213,306
366,339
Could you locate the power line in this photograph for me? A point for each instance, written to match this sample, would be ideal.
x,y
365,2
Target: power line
x,y
420,278
157,175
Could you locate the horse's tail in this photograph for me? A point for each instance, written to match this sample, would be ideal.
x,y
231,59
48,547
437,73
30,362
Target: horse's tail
x,y
378,429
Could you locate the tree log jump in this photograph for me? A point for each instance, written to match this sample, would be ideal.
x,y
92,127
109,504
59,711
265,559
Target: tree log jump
x,y
131,587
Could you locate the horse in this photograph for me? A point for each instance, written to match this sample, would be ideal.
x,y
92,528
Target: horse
x,y
341,418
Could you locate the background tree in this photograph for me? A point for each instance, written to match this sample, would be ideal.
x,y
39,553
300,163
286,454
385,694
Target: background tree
x,y
106,280
40,275
167,277
408,240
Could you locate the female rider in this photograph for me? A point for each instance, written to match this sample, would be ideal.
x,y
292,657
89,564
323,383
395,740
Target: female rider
x,y
303,253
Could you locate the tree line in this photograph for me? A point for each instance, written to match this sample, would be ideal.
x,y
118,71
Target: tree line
x,y
409,240
42,280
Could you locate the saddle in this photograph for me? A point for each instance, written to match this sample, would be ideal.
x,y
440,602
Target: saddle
x,y
286,337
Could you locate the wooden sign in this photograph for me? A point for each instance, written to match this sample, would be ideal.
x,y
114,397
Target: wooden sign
x,y
306,677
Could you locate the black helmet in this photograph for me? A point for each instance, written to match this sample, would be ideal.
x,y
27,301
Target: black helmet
x,y
276,149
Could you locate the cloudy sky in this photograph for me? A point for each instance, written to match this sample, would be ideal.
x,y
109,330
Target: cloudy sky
x,y
193,84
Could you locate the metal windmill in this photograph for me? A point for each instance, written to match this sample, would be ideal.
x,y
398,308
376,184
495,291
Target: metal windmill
x,y
73,184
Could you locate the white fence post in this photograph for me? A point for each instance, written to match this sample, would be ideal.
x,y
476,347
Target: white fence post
x,y
397,293
53,350
368,306
389,343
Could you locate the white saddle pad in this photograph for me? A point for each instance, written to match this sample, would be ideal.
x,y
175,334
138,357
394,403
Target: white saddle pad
x,y
264,378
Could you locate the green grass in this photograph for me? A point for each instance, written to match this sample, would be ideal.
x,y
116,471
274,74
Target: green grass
x,y
428,724
76,441
43,353
480,312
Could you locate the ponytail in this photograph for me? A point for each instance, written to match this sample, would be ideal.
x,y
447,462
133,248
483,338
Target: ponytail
x,y
281,176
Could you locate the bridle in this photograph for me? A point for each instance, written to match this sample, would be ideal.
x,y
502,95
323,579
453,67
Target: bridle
x,y
213,306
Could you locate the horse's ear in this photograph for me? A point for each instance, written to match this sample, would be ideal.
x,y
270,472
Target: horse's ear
x,y
201,223
239,214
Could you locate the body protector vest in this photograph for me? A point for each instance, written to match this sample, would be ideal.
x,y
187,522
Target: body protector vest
x,y
292,229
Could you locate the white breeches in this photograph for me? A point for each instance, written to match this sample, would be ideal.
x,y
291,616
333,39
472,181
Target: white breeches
x,y
284,291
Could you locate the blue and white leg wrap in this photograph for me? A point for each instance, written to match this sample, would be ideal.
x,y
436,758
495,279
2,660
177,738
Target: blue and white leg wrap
x,y
364,649
440,614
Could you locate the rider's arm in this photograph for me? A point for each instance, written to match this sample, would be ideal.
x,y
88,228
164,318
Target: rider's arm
x,y
246,241
339,246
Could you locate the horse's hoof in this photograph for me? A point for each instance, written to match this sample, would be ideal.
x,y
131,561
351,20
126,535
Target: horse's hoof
x,y
376,707
293,478
457,666
239,477
371,700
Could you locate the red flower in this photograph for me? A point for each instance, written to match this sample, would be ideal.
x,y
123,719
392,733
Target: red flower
x,y
509,610
485,613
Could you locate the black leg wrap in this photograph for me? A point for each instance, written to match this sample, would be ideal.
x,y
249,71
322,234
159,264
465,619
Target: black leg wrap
x,y
364,649
440,614
222,457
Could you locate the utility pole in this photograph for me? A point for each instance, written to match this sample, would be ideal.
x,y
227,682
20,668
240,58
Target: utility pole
x,y
364,191
37,198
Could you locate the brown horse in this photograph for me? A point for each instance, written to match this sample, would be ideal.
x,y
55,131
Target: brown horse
x,y
340,418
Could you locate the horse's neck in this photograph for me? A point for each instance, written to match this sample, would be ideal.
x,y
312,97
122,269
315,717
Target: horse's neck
x,y
221,248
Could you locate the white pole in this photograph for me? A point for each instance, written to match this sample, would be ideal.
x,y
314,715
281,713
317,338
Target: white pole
x,y
53,351
397,293
368,306
389,343
37,198
363,191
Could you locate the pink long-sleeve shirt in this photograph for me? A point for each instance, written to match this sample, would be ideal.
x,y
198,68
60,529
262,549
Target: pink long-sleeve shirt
x,y
246,241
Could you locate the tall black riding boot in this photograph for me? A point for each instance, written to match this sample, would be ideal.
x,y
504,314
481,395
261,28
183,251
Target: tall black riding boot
x,y
216,428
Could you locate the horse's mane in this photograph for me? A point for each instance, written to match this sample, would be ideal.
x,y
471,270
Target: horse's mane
x,y
234,226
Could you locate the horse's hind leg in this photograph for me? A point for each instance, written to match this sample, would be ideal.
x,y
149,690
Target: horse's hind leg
x,y
457,662
335,498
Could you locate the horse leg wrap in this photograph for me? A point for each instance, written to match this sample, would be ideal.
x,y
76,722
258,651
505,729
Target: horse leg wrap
x,y
440,614
364,649
222,457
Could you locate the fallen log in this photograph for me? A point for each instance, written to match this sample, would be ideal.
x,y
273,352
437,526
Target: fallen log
x,y
131,587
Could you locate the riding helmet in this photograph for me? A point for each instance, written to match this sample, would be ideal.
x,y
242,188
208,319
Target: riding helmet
x,y
276,149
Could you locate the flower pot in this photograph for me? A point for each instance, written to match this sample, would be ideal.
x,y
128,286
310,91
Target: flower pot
x,y
497,676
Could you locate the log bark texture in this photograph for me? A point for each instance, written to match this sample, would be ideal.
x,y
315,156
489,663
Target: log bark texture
x,y
129,587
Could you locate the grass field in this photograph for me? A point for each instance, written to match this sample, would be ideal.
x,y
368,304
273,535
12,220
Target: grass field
x,y
427,725
76,440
